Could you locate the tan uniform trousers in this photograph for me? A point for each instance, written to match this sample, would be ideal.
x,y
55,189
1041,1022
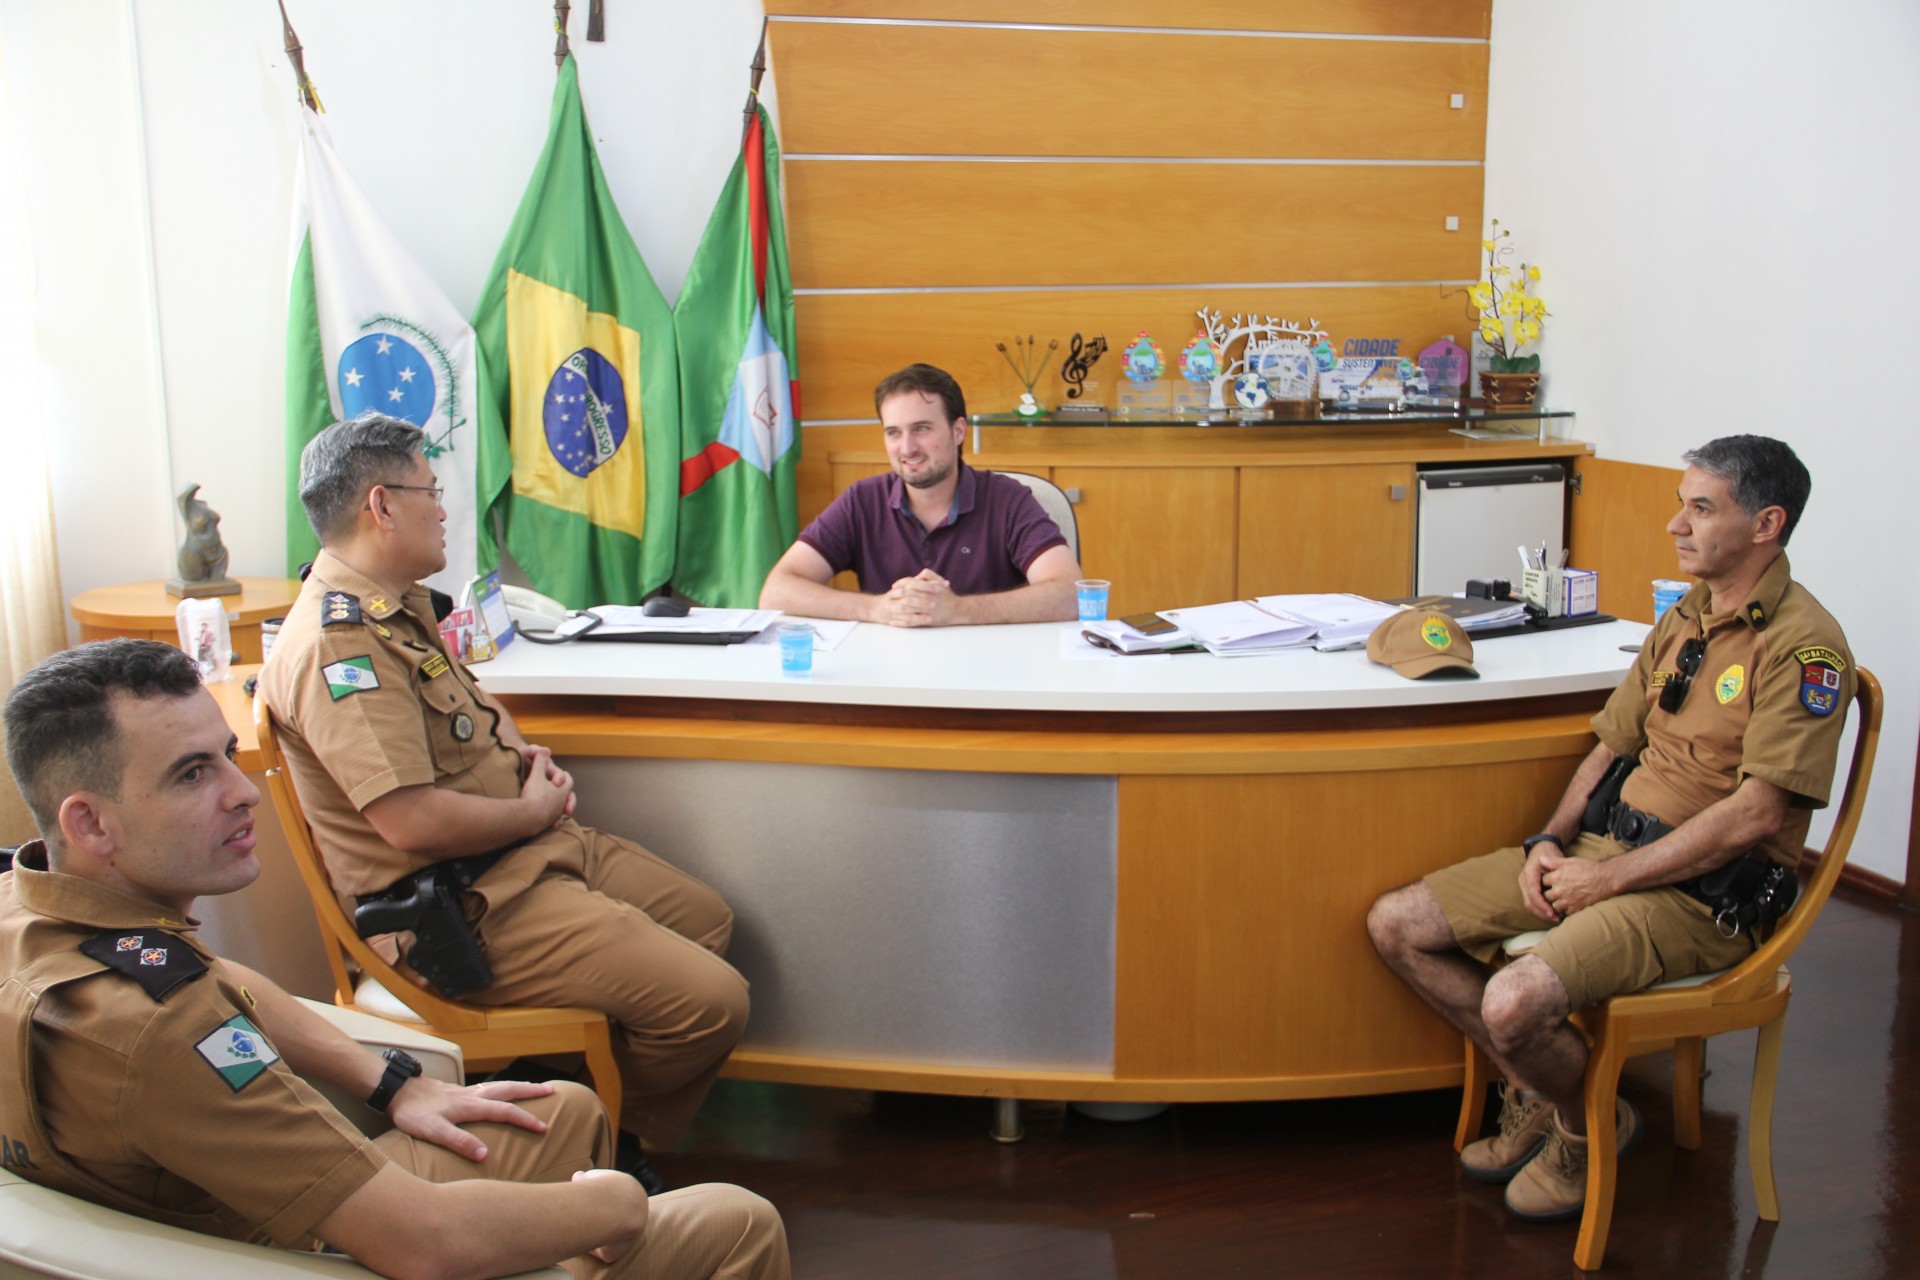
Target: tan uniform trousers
x,y
1620,945
711,1230
634,936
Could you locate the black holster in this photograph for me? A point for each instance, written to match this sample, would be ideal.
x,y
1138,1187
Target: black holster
x,y
1746,894
427,904
1605,796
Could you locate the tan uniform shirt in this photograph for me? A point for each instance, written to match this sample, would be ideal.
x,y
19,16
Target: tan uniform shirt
x,y
175,1100
1767,702
367,701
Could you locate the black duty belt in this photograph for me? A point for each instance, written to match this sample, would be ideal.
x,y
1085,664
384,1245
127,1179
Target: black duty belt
x,y
462,872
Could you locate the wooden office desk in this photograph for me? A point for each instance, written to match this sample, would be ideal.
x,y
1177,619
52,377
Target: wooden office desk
x,y
964,864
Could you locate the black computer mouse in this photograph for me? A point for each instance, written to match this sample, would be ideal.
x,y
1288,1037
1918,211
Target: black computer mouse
x,y
664,607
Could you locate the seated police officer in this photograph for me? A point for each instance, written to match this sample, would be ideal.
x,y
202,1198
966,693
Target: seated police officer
x,y
164,1081
1733,711
934,543
422,791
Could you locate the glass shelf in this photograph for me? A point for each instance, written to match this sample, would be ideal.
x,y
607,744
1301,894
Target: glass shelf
x,y
1475,421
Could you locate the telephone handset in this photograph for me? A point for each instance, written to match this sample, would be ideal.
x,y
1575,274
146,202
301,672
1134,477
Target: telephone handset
x,y
543,619
528,608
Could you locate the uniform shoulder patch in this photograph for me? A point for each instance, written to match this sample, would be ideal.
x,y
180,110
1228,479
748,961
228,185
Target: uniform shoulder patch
x,y
339,609
1820,669
350,675
237,1052
159,962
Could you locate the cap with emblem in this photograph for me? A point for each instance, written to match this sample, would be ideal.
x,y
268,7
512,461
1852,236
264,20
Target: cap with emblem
x,y
1419,642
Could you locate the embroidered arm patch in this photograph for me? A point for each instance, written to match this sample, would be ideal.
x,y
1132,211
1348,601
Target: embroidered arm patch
x,y
159,962
350,675
237,1052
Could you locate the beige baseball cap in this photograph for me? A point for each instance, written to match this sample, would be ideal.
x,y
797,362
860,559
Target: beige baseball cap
x,y
1419,642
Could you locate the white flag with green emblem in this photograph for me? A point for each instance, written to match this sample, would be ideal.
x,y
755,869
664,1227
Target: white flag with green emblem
x,y
350,675
368,329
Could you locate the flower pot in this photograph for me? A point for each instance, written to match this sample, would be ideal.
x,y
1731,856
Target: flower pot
x,y
1509,390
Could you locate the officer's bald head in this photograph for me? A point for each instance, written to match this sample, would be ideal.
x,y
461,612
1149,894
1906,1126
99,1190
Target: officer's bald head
x,y
61,734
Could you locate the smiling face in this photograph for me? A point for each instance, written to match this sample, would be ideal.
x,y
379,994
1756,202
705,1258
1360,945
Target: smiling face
x,y
922,445
182,825
1714,539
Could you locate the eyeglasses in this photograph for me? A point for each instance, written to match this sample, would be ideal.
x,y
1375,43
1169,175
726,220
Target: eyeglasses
x,y
431,490
1687,665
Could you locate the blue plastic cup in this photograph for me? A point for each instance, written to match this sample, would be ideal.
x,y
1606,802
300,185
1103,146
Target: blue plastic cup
x,y
1091,593
796,650
1667,593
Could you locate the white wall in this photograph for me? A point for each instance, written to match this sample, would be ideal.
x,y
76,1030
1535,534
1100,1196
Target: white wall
x,y
1723,197
158,159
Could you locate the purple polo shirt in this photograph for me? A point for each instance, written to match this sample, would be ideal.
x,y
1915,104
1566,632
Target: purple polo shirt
x,y
995,530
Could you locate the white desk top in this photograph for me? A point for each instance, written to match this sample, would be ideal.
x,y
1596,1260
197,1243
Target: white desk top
x,y
1021,668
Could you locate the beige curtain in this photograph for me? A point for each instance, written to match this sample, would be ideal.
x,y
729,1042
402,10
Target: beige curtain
x,y
32,614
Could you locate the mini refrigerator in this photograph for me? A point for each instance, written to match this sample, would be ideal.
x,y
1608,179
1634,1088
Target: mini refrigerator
x,y
1471,520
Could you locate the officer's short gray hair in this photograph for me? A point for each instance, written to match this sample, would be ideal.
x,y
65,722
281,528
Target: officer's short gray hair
x,y
1761,471
340,464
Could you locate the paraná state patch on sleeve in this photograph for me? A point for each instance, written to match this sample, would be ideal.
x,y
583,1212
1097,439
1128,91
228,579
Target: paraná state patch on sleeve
x,y
159,962
350,675
237,1052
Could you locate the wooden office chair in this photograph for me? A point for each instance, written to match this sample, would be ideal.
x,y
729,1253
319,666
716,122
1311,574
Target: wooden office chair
x,y
1683,1013
487,1036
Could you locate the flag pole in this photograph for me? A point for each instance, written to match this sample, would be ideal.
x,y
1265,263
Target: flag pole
x,y
597,21
297,56
753,88
561,8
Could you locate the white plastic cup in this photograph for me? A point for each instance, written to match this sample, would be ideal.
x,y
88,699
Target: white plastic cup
x,y
796,650
1667,593
1091,596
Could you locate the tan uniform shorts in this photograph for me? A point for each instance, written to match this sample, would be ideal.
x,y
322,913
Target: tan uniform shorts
x,y
1620,945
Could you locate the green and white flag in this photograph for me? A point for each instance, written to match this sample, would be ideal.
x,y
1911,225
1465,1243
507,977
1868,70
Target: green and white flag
x,y
368,329
739,387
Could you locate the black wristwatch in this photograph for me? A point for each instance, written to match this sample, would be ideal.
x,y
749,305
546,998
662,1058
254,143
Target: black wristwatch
x,y
401,1067
1545,837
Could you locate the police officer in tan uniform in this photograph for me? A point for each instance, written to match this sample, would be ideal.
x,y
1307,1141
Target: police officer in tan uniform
x,y
403,762
155,1078
1733,710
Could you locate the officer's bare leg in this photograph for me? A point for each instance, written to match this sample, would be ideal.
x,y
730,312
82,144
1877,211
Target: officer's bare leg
x,y
1412,935
1525,1012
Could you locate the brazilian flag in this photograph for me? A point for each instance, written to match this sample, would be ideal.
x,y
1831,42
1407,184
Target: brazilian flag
x,y
579,404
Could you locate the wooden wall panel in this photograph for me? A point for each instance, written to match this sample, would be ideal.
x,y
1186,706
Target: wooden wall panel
x,y
874,224
1620,531
1003,91
1465,18
1211,943
848,342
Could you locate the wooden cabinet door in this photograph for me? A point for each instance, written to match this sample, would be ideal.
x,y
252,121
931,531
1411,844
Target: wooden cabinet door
x,y
1335,528
1164,536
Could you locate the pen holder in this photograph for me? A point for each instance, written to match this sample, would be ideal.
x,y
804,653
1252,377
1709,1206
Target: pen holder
x,y
1545,590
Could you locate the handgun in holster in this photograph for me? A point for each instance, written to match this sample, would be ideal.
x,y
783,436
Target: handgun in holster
x,y
427,904
1605,796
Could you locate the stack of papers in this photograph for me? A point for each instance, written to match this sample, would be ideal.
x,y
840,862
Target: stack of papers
x,y
1241,628
627,622
1340,621
1473,613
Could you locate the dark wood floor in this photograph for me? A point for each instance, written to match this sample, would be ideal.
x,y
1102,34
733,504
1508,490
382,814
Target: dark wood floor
x,y
889,1186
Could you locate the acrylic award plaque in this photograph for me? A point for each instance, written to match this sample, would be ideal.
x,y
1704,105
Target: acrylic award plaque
x,y
1142,391
1446,365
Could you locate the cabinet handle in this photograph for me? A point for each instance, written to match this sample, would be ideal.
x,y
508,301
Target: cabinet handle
x,y
1073,495
1397,492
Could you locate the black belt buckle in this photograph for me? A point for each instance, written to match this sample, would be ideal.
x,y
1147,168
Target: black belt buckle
x,y
1628,825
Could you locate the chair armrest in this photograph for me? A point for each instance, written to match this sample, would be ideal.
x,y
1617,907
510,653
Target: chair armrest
x,y
439,1059
45,1233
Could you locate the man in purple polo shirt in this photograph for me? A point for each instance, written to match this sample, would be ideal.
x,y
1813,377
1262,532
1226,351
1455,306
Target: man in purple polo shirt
x,y
935,543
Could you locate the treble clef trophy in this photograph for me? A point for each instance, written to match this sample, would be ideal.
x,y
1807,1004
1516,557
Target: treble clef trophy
x,y
1078,364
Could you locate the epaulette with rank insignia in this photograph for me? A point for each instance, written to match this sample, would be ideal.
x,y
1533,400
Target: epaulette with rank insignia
x,y
159,962
338,608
